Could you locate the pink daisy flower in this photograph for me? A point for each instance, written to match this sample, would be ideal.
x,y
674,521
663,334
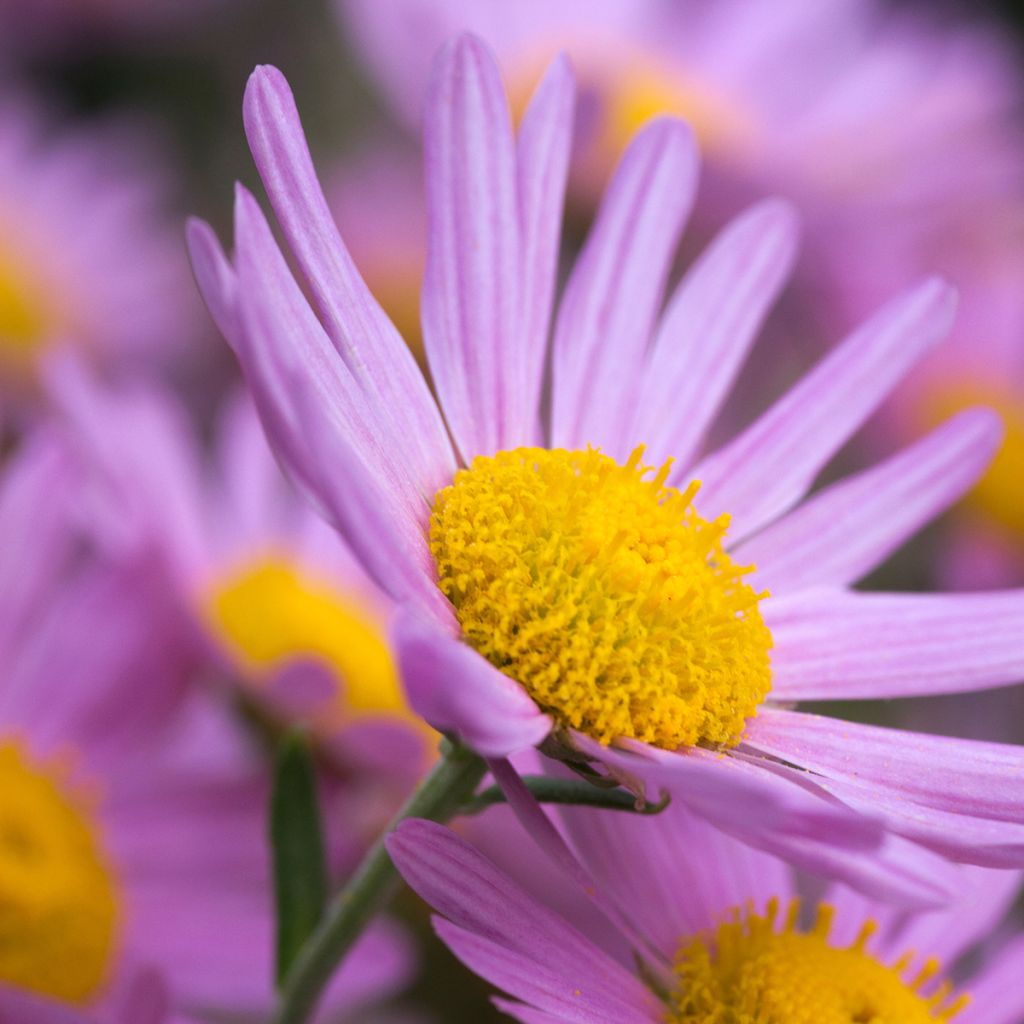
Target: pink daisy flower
x,y
132,820
87,256
556,590
720,934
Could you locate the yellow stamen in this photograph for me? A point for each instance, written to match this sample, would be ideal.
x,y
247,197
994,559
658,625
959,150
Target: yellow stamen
x,y
605,594
268,613
59,900
751,972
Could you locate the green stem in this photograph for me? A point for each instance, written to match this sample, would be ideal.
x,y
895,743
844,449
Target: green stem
x,y
572,792
439,796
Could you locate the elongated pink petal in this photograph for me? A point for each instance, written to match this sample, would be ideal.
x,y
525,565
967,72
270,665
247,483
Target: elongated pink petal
x,y
472,287
214,275
375,354
527,1014
837,645
614,294
673,874
769,467
481,901
847,529
568,993
963,776
457,690
708,327
544,144
327,437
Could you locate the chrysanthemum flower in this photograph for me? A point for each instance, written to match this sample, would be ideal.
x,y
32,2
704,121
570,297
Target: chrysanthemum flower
x,y
722,936
573,568
131,821
88,257
280,608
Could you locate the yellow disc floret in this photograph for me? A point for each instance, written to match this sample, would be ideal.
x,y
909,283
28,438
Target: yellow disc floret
x,y
760,970
603,592
58,896
269,613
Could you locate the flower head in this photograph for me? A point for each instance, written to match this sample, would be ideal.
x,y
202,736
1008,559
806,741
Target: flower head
x,y
722,934
131,816
537,520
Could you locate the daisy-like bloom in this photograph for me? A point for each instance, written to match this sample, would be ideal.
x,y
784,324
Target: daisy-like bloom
x,y
88,257
573,568
722,936
280,607
131,820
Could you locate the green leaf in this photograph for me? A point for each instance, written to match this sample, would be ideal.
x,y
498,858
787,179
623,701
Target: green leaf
x,y
296,838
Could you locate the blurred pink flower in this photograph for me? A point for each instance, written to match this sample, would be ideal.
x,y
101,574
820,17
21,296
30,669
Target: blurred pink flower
x,y
282,609
89,257
715,924
350,416
133,813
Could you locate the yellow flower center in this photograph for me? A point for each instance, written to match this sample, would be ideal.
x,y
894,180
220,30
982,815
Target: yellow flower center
x,y
647,89
999,494
59,904
269,614
753,972
604,593
29,318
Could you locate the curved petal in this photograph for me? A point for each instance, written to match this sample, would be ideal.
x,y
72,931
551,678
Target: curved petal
x,y
707,329
472,286
839,645
457,690
545,138
769,467
673,874
215,277
969,777
376,356
485,905
843,532
320,423
615,292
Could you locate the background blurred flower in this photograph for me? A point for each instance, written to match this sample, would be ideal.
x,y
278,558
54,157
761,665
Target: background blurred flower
x,y
88,256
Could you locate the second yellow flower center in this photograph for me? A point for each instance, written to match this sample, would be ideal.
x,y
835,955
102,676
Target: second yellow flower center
x,y
756,970
59,903
601,590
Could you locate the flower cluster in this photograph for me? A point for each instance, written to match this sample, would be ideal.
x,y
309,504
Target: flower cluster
x,y
575,537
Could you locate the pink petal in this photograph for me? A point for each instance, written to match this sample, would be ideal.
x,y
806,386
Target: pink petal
x,y
847,529
326,433
838,645
708,327
963,776
214,275
545,138
615,291
472,287
457,690
769,467
997,996
482,902
376,356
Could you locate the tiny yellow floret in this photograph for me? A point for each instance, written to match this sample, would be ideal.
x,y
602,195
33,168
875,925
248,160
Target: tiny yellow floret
x,y
601,590
59,899
762,970
269,613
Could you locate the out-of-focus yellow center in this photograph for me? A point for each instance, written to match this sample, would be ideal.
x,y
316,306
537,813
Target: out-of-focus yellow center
x,y
999,494
59,903
753,971
28,314
269,614
604,593
646,88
